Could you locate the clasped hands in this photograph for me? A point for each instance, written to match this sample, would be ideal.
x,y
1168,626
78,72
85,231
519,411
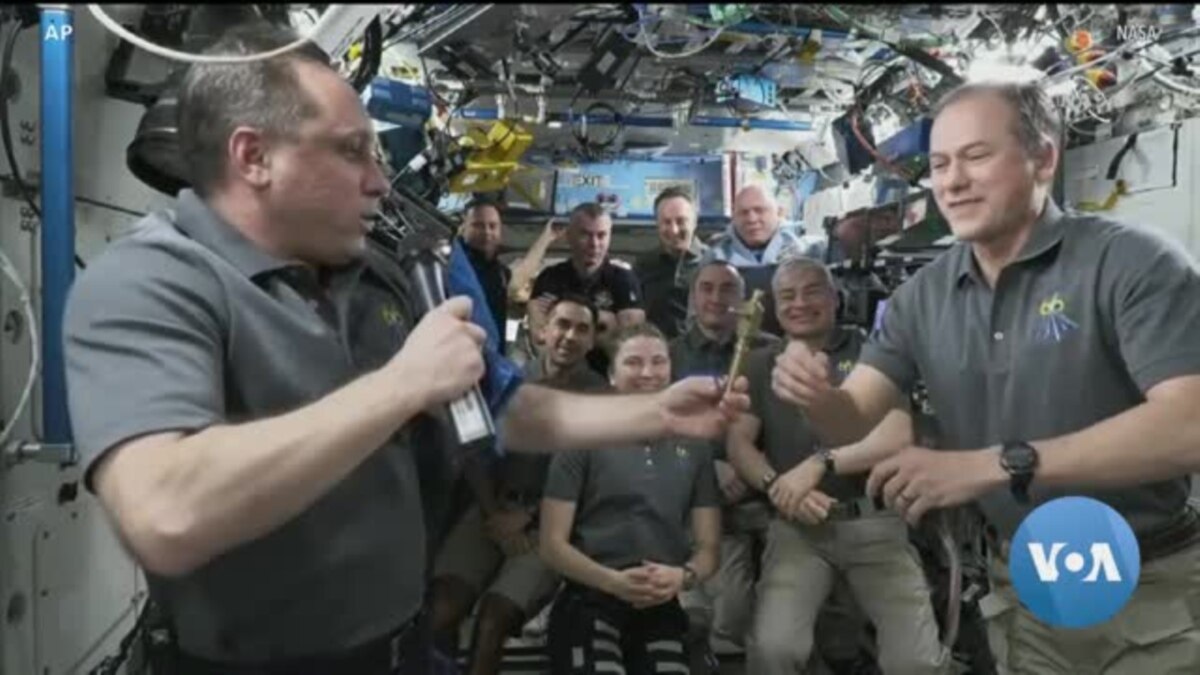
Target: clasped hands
x,y
648,584
912,481
508,528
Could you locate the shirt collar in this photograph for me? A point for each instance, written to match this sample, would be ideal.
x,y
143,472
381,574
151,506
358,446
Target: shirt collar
x,y
838,339
698,341
536,371
1046,235
202,224
476,256
693,252
586,281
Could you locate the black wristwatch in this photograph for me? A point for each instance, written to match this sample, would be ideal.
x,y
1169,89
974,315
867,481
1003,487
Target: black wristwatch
x,y
826,456
1020,460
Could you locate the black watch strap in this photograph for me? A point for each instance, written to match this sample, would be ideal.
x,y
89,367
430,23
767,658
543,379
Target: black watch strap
x,y
1020,460
830,464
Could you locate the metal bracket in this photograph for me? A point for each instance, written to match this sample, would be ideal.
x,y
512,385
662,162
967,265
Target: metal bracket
x,y
10,189
62,454
14,326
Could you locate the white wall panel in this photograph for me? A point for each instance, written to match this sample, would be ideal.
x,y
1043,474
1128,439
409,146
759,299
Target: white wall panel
x,y
1161,173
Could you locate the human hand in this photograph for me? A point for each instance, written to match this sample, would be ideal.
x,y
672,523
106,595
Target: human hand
x,y
518,544
916,480
443,356
666,580
698,407
813,509
634,585
790,490
801,376
732,486
506,523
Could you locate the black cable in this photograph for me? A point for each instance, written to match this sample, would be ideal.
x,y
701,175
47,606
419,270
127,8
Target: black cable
x,y
372,56
6,130
6,127
109,664
394,30
582,139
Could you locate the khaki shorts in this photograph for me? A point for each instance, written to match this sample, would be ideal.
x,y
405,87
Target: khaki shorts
x,y
1157,632
468,555
879,566
724,604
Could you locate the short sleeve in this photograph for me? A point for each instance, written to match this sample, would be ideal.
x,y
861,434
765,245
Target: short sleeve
x,y
626,290
705,491
759,364
890,349
565,479
543,284
1155,296
143,347
714,251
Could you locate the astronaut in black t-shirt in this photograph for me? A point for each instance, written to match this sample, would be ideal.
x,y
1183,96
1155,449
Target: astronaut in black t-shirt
x,y
611,286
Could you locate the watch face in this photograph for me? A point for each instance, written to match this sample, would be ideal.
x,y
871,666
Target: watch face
x,y
1018,457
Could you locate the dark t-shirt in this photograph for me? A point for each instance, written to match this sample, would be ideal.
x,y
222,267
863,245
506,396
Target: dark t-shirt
x,y
612,288
665,280
785,435
493,277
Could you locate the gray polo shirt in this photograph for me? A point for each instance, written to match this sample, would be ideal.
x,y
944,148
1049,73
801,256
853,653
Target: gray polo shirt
x,y
524,473
1091,316
633,503
695,354
785,435
177,328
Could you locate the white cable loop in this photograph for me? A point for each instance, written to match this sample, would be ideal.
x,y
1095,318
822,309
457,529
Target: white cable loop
x,y
137,41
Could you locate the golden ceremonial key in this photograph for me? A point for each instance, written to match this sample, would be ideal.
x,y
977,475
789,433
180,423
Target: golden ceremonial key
x,y
749,320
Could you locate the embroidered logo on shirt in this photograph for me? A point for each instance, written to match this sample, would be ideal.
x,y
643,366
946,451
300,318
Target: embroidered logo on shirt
x,y
603,299
845,366
390,315
1052,323
681,452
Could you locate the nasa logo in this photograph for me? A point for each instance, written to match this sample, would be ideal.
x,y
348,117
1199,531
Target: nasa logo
x,y
1074,562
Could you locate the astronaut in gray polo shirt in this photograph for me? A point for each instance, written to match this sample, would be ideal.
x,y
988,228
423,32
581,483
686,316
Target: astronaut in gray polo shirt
x,y
725,605
824,537
1060,353
248,382
616,525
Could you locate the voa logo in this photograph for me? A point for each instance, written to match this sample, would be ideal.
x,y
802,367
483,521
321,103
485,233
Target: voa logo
x,y
1101,553
1074,562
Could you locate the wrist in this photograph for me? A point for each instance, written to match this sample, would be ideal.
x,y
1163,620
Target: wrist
x,y
610,582
768,479
402,402
1018,462
993,472
816,464
688,578
659,405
